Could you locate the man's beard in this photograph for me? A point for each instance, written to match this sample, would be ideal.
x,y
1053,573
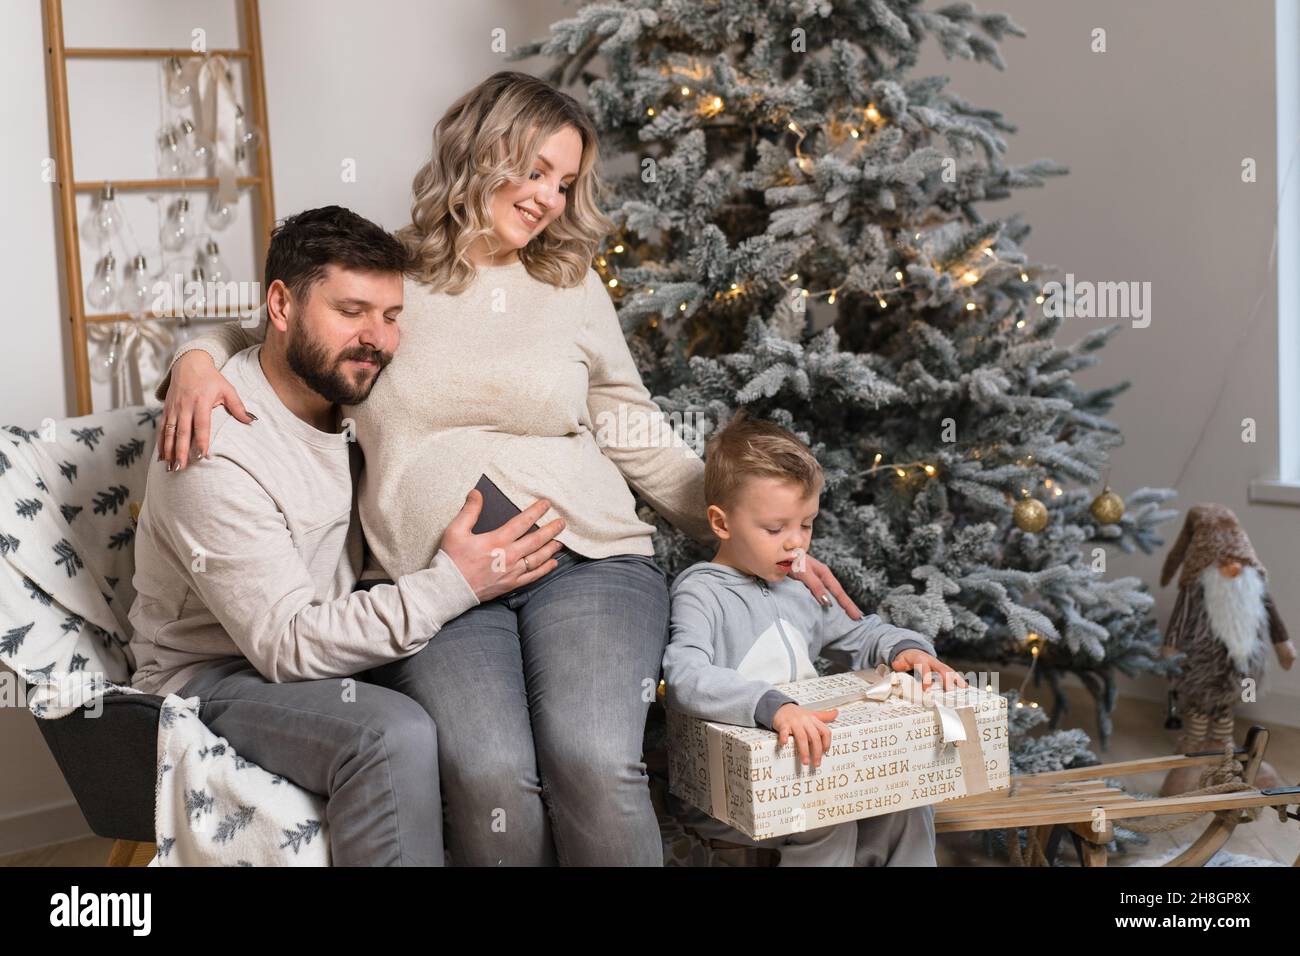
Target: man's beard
x,y
309,360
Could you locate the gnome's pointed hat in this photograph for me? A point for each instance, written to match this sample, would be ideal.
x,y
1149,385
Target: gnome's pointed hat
x,y
1211,533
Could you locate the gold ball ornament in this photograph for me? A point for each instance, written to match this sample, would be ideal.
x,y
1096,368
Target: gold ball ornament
x,y
1107,507
1030,515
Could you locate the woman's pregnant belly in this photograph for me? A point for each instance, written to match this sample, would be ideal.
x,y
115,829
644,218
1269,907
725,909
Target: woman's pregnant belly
x,y
407,505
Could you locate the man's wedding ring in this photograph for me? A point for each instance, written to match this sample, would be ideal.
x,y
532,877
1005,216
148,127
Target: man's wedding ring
x,y
170,428
526,563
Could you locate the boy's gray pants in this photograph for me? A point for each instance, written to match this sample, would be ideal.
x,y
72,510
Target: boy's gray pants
x,y
904,838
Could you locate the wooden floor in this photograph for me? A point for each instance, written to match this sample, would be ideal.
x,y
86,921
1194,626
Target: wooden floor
x,y
1139,732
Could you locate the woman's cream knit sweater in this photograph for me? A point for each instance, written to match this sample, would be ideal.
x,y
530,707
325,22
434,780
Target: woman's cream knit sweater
x,y
527,383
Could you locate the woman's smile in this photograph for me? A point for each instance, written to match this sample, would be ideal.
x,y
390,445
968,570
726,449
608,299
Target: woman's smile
x,y
530,219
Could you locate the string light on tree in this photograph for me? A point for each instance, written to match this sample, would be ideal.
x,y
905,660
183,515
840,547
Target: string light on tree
x,y
1033,641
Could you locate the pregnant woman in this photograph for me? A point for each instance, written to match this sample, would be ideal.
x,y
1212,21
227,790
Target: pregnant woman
x,y
511,358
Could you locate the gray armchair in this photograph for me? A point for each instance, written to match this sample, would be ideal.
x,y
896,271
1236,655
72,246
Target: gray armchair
x,y
110,763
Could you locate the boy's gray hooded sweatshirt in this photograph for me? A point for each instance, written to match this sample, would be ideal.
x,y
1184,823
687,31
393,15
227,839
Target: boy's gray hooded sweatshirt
x,y
733,635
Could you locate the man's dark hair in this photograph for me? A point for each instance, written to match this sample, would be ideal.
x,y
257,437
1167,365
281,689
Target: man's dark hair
x,y
303,245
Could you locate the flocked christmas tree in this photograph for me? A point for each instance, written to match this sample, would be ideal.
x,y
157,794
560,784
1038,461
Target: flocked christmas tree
x,y
800,234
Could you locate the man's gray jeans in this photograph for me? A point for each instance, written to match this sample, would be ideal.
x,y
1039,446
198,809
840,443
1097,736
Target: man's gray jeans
x,y
374,759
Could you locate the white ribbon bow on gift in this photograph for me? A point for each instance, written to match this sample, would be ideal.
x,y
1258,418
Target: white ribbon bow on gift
x,y
884,684
956,724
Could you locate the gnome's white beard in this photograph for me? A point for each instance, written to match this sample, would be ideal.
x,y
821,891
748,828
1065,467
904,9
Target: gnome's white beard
x,y
1235,607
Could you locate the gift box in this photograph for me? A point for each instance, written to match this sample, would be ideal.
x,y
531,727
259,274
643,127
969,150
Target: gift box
x,y
893,746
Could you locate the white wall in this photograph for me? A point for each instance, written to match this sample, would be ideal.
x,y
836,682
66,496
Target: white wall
x,y
1154,131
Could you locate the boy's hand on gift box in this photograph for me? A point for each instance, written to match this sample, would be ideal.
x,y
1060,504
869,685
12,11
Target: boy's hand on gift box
x,y
807,727
929,667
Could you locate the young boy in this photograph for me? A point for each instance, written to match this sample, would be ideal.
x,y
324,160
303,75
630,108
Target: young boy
x,y
739,625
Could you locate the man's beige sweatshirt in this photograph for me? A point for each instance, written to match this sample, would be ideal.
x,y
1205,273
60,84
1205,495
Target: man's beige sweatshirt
x,y
527,383
254,552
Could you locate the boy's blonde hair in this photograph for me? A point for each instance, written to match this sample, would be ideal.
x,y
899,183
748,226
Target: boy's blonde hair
x,y
754,448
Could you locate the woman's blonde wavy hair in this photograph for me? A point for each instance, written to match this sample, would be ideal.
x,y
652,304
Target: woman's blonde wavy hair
x,y
488,137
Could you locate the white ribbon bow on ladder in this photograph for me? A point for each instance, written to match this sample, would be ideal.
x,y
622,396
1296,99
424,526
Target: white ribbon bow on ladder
x,y
131,342
216,117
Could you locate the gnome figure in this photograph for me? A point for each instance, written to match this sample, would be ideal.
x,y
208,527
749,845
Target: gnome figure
x,y
1224,621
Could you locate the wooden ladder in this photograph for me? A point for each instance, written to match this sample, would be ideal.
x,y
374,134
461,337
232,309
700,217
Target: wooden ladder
x,y
59,54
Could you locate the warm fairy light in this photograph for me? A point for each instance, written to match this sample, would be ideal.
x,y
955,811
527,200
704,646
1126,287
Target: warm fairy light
x,y
794,277
883,303
686,91
1023,277
873,114
1020,324
854,133
711,105
682,307
970,278
879,455
804,293
1057,492
601,260
805,163
1033,703
830,300
650,111
898,276
613,283
901,473
929,470
1038,299
1047,482
734,286
619,247
650,291
970,306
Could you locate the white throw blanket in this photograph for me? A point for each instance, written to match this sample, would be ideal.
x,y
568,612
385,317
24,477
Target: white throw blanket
x,y
67,541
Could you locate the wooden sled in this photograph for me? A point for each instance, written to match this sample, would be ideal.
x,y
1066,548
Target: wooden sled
x,y
1080,803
